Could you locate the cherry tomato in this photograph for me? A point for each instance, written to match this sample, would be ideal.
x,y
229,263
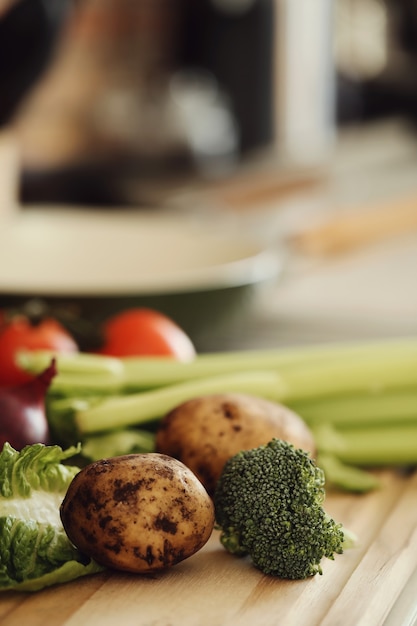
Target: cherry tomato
x,y
145,332
19,333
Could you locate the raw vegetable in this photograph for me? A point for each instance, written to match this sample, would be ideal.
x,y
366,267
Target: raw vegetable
x,y
391,362
139,513
362,409
376,371
35,551
144,331
269,505
344,385
22,332
206,431
319,369
117,443
81,417
394,445
23,419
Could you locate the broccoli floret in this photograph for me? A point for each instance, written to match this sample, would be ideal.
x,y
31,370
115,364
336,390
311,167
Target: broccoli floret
x,y
269,505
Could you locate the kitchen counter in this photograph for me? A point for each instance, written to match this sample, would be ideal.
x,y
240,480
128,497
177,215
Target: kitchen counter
x,y
368,291
325,293
372,584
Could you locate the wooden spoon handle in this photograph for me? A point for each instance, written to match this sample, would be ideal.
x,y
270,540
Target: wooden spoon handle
x,y
358,227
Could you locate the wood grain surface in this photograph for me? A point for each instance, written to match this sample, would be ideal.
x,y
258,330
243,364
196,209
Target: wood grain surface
x,y
213,588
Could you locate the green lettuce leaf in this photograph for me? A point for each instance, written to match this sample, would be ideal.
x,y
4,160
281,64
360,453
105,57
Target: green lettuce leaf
x,y
35,551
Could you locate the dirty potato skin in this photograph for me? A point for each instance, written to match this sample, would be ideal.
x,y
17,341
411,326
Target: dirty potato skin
x,y
206,431
137,513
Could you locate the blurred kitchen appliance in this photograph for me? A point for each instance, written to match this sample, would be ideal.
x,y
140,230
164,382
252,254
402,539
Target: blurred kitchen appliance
x,y
304,80
376,59
234,40
28,31
102,111
275,60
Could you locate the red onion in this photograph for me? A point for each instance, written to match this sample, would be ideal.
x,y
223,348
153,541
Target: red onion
x,y
23,418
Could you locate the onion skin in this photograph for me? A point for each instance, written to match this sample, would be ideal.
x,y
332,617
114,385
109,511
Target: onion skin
x,y
23,418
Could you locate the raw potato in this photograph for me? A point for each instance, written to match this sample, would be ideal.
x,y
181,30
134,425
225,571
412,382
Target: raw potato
x,y
137,513
206,431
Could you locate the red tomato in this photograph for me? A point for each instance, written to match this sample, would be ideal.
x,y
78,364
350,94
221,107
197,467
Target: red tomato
x,y
20,334
145,332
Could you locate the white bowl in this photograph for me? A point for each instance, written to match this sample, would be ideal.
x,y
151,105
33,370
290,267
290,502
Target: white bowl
x,y
194,269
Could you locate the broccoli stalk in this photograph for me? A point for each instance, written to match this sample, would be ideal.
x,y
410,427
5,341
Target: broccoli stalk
x,y
269,506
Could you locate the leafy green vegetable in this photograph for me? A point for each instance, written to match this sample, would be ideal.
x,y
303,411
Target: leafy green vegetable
x,y
35,551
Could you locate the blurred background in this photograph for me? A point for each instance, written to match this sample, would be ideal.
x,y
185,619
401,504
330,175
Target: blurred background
x,y
274,114
145,88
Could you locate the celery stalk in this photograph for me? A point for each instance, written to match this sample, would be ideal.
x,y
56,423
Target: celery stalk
x,y
360,410
366,375
78,384
346,477
134,409
82,372
77,363
291,386
383,446
78,373
327,377
368,390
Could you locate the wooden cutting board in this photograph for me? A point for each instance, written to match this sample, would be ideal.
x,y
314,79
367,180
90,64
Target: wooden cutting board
x,y
362,587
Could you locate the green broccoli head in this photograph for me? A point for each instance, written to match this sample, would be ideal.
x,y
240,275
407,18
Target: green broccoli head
x,y
269,505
